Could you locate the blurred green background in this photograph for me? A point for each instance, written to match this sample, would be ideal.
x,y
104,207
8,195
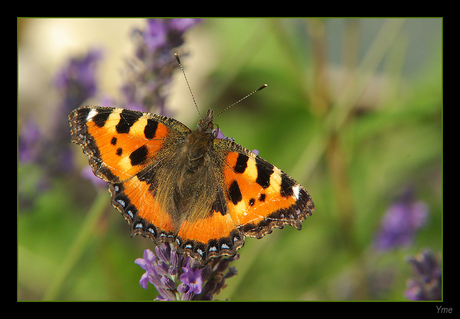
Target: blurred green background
x,y
353,111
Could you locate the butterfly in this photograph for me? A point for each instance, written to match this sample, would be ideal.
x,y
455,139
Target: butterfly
x,y
188,187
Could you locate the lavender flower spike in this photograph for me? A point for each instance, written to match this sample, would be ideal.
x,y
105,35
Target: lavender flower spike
x,y
149,72
427,280
177,277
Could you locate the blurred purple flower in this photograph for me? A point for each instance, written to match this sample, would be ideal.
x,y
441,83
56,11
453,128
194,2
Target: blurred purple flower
x,y
400,223
29,142
76,82
177,277
427,280
77,79
154,36
49,147
150,71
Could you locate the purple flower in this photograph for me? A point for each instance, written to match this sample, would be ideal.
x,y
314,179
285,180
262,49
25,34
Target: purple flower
x,y
164,35
155,35
147,75
182,25
427,280
77,80
221,135
177,277
192,278
146,264
400,223
215,274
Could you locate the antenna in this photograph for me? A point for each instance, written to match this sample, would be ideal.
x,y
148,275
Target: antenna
x,y
183,72
244,98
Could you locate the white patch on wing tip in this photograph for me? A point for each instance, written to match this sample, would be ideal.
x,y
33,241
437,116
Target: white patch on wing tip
x,y
296,190
91,114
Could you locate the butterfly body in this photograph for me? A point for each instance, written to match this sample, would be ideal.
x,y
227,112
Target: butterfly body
x,y
173,184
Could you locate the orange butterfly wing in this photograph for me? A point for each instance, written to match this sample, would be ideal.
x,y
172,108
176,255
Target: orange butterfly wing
x,y
144,159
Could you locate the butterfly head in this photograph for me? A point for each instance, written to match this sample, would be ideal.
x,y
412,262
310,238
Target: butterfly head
x,y
206,124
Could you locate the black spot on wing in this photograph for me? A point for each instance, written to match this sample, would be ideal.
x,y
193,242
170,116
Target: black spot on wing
x,y
235,193
262,197
101,117
150,129
127,119
241,163
264,171
138,156
286,185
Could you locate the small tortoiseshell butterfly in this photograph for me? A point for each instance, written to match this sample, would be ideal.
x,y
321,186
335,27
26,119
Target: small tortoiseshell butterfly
x,y
173,184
